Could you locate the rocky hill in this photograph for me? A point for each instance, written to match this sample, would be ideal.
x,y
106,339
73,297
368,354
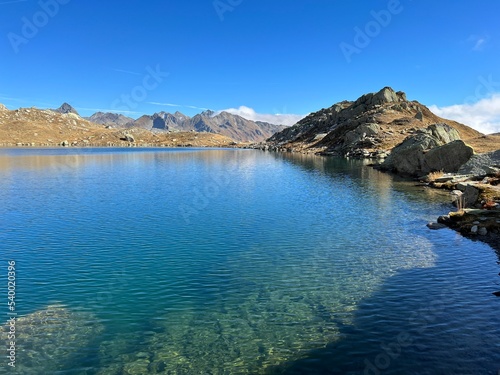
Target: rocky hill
x,y
369,126
35,127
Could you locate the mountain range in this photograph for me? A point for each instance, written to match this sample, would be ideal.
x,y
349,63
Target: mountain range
x,y
224,123
372,124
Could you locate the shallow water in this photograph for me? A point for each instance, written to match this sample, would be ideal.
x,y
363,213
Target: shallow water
x,y
238,262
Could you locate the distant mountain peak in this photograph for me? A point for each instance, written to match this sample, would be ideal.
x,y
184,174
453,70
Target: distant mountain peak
x,y
208,113
110,119
66,108
180,115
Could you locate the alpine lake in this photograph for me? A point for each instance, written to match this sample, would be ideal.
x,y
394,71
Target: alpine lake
x,y
225,261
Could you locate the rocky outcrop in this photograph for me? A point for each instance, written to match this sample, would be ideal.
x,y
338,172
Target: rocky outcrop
x,y
3,108
436,148
474,223
482,164
362,136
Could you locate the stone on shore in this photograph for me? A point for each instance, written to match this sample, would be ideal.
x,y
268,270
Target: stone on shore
x,y
436,226
481,164
421,153
448,158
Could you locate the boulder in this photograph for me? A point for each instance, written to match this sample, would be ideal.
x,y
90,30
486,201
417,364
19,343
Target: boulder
x,y
447,158
65,143
481,164
482,231
128,138
410,156
436,226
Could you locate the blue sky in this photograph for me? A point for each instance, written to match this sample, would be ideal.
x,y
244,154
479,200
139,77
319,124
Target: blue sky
x,y
255,57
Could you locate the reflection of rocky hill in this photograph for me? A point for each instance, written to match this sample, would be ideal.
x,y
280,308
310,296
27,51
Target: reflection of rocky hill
x,y
374,123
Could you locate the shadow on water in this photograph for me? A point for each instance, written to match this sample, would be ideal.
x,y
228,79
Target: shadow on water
x,y
438,320
415,328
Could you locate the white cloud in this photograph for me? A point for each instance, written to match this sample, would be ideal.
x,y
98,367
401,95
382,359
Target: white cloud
x,y
108,111
177,105
483,115
278,118
477,41
127,72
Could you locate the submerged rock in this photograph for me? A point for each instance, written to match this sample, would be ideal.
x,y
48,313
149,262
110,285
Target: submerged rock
x,y
48,340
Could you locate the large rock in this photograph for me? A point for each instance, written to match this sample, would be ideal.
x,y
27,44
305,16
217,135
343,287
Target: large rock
x,y
48,341
410,156
481,164
128,137
447,158
3,108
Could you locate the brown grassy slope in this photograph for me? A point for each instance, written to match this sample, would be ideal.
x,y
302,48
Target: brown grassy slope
x,y
34,127
485,143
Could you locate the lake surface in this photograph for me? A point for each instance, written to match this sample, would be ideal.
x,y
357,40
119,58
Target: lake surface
x,y
237,262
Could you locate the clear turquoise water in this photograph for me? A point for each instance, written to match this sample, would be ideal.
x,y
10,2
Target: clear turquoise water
x,y
237,262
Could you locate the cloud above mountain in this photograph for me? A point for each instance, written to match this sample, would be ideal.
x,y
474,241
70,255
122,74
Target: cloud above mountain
x,y
278,118
483,115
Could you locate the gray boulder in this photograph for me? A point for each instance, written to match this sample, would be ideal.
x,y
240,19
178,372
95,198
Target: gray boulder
x,y
447,158
128,138
410,156
481,164
470,194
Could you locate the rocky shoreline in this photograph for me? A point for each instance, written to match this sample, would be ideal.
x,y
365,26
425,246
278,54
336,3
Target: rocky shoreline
x,y
438,158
